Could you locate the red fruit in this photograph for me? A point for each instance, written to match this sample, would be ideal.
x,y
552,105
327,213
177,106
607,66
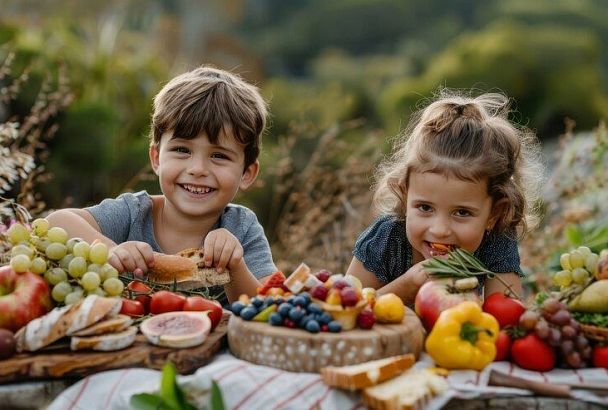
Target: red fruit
x,y
275,280
505,309
503,345
600,356
319,292
165,301
323,275
340,284
532,353
324,328
349,296
133,308
289,323
140,292
200,304
366,319
7,344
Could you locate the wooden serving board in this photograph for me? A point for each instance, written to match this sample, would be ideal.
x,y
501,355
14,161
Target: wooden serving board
x,y
58,361
297,350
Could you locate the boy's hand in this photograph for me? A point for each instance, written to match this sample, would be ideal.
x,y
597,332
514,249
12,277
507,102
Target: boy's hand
x,y
132,256
222,249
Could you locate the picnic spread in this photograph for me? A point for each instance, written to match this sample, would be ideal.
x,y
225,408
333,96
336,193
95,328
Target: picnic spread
x,y
306,340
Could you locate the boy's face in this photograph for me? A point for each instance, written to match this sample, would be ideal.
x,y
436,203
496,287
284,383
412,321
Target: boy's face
x,y
199,178
446,212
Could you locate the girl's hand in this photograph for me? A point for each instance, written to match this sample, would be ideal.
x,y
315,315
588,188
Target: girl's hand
x,y
222,249
132,256
418,276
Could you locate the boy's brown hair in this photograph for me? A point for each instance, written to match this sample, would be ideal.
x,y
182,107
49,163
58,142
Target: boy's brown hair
x,y
210,100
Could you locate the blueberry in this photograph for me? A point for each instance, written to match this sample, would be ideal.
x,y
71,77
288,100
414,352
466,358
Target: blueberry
x,y
249,312
325,318
306,296
314,308
284,309
291,299
305,319
313,326
275,319
300,301
296,314
236,307
334,326
257,302
279,299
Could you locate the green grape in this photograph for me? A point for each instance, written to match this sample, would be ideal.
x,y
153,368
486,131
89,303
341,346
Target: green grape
x,y
579,275
576,260
18,234
71,242
41,244
98,253
22,249
74,296
55,276
38,265
584,250
55,251
57,235
64,262
60,291
94,267
563,278
113,286
90,281
591,262
564,261
40,226
108,271
77,267
97,291
20,263
81,249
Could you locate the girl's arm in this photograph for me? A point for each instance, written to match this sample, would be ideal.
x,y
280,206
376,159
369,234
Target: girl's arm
x,y
494,285
79,224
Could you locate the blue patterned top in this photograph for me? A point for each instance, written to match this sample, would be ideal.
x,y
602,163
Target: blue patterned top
x,y
384,250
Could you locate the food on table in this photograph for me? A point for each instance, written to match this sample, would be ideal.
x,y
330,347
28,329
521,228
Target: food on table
x,y
504,308
301,279
389,308
141,292
200,304
105,342
177,329
600,356
7,344
113,324
532,353
593,299
503,346
359,376
132,308
164,301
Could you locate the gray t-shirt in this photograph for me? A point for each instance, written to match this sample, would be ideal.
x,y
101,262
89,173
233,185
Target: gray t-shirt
x,y
129,218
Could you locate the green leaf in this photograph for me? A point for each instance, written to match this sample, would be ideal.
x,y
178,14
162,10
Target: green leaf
x,y
148,401
169,390
217,401
574,235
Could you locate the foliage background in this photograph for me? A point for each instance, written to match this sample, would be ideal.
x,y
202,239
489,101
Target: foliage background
x,y
341,78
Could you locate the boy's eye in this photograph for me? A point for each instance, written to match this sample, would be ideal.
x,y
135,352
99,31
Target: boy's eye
x,y
219,155
183,150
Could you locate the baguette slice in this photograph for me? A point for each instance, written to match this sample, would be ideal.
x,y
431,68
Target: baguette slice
x,y
366,374
187,269
105,343
112,325
411,390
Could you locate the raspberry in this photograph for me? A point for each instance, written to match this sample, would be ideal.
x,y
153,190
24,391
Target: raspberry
x,y
319,292
366,319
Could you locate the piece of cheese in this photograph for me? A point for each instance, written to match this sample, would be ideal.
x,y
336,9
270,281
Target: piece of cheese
x,y
296,282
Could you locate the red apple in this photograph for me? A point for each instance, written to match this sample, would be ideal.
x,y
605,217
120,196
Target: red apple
x,y
23,298
435,296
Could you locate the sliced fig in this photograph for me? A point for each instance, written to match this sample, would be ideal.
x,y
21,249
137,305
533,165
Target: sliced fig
x,y
177,329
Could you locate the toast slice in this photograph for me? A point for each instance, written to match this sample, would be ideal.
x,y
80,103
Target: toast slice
x,y
111,325
105,343
366,374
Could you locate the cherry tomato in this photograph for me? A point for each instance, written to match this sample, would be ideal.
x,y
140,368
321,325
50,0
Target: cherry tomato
x,y
165,301
600,356
505,309
141,292
532,353
200,304
503,345
132,308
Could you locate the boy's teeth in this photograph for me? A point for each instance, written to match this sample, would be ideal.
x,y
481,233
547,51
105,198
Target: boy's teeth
x,y
197,190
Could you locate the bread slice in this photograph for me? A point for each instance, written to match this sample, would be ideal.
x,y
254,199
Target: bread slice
x,y
411,390
112,325
366,374
105,343
187,269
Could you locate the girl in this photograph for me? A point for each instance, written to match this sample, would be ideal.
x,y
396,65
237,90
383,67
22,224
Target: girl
x,y
463,176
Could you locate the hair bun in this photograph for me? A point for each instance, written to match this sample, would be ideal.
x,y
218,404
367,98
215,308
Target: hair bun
x,y
450,112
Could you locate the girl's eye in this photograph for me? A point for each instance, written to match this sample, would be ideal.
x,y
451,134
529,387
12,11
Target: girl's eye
x,y
425,208
463,212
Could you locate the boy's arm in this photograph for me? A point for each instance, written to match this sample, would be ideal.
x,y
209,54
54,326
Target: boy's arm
x,y
242,281
78,223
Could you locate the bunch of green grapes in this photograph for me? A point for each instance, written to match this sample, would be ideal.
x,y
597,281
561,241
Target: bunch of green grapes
x,y
578,267
72,267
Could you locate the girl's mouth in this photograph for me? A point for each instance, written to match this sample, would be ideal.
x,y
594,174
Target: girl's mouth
x,y
439,249
196,189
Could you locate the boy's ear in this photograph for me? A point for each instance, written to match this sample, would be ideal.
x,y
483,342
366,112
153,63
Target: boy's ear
x,y
498,209
154,157
249,175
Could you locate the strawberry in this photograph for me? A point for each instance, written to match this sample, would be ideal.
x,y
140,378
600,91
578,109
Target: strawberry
x,y
275,280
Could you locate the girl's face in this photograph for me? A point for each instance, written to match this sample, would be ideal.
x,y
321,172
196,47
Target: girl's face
x,y
444,213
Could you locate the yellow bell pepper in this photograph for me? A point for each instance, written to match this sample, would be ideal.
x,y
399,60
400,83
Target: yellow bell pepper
x,y
463,338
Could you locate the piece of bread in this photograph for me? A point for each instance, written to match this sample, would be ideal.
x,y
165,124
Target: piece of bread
x,y
187,269
112,325
105,343
411,390
366,374
65,321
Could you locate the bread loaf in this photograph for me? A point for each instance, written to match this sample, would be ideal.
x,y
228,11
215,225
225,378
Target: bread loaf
x,y
366,374
111,325
107,342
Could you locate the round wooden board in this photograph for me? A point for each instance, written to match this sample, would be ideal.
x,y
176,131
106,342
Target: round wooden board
x,y
297,350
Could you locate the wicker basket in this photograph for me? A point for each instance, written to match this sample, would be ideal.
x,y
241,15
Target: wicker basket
x,y
597,333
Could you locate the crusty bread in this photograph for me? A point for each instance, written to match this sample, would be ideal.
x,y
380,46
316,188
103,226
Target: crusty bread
x,y
366,374
107,342
65,321
411,390
187,269
111,325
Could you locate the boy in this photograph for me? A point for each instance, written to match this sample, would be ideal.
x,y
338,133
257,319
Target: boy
x,y
204,144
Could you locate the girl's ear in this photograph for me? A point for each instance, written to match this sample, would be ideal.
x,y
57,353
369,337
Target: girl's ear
x,y
154,157
249,175
499,209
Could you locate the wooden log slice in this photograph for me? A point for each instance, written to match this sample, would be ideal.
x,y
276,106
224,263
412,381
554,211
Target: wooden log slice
x,y
297,350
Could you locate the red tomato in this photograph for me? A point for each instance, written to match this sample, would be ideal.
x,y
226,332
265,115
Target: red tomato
x,y
141,292
132,308
200,304
600,356
532,353
505,309
165,301
503,345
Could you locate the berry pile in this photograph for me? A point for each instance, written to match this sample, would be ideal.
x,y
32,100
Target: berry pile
x,y
554,323
296,311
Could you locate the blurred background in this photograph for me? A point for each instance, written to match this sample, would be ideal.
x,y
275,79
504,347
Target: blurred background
x,y
341,77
